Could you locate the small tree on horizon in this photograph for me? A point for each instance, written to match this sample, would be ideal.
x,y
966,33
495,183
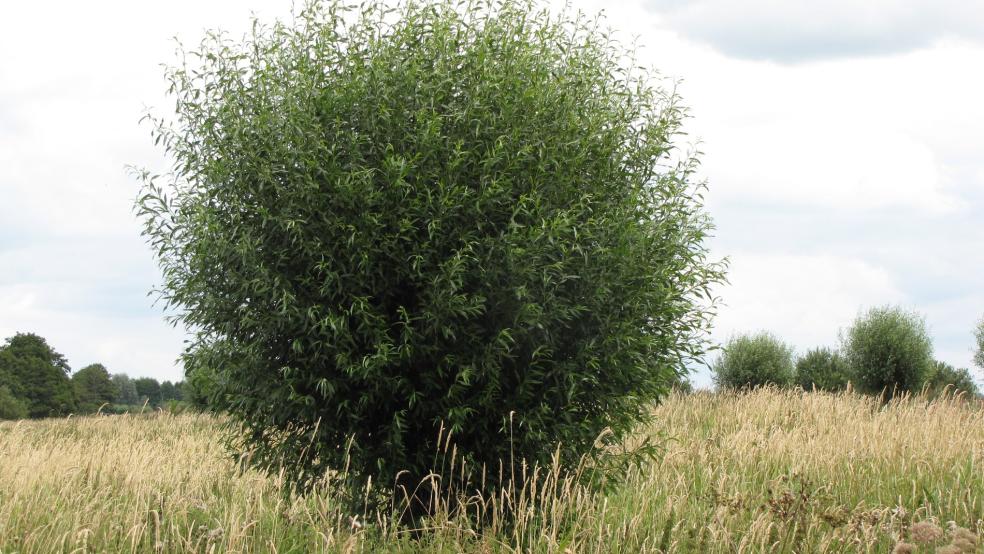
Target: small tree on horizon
x,y
945,377
888,350
754,360
38,375
824,369
93,388
169,392
126,390
148,390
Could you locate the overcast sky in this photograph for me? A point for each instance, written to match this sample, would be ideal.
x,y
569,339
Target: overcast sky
x,y
843,145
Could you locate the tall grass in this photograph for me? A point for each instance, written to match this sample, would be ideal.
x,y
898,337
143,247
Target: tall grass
x,y
776,471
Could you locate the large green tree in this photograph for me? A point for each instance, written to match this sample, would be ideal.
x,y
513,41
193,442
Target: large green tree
x,y
93,387
460,216
37,375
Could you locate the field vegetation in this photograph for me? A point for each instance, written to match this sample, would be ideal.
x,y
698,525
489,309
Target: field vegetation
x,y
770,470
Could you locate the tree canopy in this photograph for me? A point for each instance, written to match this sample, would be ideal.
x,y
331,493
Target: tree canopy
x,y
889,350
148,390
126,390
468,217
93,387
822,369
754,360
38,375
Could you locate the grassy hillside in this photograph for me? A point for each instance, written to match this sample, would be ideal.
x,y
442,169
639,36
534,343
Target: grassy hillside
x,y
772,471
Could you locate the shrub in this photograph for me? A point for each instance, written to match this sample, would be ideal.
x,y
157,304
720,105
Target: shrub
x,y
11,407
943,377
750,361
823,369
471,218
888,350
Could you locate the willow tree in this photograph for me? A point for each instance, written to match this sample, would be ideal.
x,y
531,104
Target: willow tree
x,y
383,226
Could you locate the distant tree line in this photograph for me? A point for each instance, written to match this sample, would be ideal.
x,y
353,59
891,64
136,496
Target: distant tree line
x,y
887,350
36,381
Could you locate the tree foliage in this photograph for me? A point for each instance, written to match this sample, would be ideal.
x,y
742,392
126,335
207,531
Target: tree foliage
x,y
170,391
888,350
823,369
148,390
470,217
93,388
943,377
11,407
37,375
126,390
754,360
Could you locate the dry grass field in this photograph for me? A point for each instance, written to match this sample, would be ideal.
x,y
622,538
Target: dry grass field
x,y
770,471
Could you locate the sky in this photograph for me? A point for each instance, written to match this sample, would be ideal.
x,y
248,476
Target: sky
x,y
842,143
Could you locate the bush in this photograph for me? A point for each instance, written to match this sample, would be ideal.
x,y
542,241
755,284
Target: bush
x,y
11,407
888,350
470,218
823,369
750,361
943,377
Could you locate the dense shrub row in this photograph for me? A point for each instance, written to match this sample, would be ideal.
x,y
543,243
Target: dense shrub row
x,y
886,350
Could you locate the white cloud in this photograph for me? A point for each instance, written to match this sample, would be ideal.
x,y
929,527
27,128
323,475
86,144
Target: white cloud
x,y
805,299
796,30
139,345
817,162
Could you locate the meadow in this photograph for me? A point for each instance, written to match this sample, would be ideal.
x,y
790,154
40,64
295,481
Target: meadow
x,y
772,470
